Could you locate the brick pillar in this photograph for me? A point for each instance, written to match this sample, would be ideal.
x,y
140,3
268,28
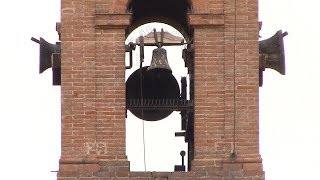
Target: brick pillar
x,y
92,90
78,81
110,85
241,89
209,93
226,88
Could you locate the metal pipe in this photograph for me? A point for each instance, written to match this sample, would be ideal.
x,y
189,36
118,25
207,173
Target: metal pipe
x,y
130,57
35,40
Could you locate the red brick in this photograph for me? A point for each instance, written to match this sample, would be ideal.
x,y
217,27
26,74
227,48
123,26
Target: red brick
x,y
93,89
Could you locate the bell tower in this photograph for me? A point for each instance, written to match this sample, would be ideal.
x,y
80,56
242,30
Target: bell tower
x,y
219,104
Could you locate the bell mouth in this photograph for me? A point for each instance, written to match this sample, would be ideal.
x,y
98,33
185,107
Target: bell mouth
x,y
156,85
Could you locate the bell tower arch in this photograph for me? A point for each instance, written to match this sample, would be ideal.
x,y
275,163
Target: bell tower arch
x,y
223,63
173,13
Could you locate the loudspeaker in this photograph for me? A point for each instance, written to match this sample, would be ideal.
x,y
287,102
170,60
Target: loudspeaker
x,y
46,51
56,69
272,54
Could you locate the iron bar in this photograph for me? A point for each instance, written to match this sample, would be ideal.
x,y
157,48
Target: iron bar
x,y
35,40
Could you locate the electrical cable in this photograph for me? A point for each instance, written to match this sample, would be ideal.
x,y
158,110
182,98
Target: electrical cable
x,y
233,153
142,114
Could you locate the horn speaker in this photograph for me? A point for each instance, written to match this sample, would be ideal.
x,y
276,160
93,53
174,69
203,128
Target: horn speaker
x,y
46,51
272,54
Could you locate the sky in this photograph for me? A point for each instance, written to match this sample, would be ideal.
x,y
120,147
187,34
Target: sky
x,y
30,105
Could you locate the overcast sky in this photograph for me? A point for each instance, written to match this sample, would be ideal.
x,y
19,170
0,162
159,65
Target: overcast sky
x,y
30,105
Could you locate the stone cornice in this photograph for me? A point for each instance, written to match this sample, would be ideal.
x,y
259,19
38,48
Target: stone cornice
x,y
108,20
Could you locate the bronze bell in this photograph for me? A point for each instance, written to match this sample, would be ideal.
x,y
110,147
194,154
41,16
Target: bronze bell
x,y
156,85
159,60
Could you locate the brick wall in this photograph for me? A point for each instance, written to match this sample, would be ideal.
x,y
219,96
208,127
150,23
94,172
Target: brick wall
x,y
226,91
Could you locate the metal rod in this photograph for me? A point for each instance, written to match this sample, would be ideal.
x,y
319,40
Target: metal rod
x,y
163,44
179,134
284,34
130,65
182,160
35,40
156,38
162,36
141,49
182,153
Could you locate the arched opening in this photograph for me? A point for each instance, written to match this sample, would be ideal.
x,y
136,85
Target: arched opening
x,y
165,11
152,145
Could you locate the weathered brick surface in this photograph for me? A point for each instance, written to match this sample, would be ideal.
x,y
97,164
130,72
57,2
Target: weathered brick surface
x,y
226,91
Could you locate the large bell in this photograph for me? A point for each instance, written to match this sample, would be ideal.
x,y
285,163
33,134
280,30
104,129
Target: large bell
x,y
153,84
159,60
157,84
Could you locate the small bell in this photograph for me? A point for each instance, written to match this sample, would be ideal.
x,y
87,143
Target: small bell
x,y
159,60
